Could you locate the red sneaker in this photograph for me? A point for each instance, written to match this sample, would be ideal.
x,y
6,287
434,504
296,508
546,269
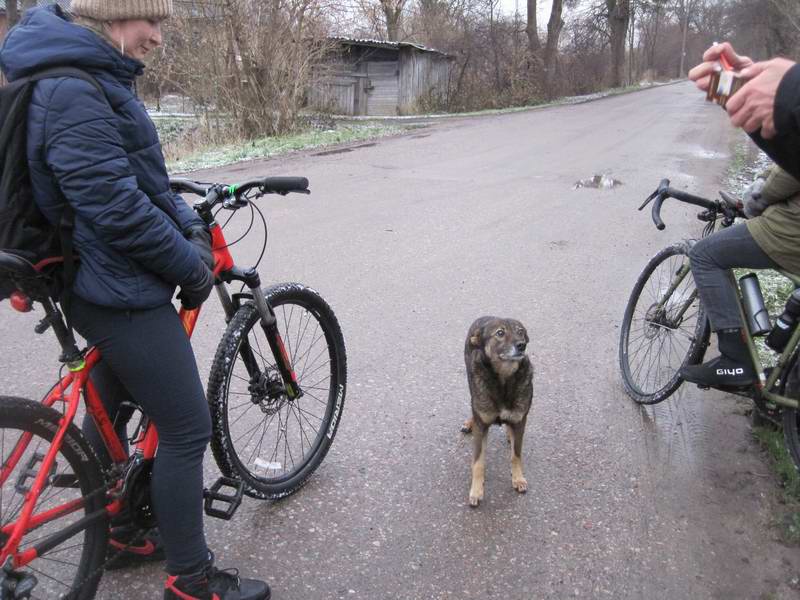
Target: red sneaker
x,y
127,547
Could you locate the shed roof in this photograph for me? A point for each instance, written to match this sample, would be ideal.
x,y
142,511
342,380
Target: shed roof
x,y
383,44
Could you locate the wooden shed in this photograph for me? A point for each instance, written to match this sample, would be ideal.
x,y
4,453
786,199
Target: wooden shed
x,y
376,78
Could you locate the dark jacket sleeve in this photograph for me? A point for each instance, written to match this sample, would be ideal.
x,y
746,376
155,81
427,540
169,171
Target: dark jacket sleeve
x,y
85,153
187,217
784,149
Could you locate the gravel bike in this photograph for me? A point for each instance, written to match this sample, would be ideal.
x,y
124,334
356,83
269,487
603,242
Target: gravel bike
x,y
276,392
665,327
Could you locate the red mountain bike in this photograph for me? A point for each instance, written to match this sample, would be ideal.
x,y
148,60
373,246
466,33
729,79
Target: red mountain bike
x,y
275,392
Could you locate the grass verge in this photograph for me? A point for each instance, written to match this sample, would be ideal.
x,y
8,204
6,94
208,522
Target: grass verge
x,y
185,154
746,163
788,523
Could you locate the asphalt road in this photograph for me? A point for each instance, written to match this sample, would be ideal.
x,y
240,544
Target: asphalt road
x,y
410,239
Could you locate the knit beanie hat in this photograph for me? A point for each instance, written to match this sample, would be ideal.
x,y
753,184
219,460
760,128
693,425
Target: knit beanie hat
x,y
119,10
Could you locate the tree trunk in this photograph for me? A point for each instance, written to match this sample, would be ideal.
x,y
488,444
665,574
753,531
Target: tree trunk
x,y
631,36
652,49
532,29
684,31
495,52
554,27
393,11
618,16
12,13
26,4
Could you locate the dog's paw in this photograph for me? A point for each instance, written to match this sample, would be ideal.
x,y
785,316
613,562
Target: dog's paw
x,y
475,493
521,485
467,426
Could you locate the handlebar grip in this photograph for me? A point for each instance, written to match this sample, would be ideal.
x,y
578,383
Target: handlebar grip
x,y
662,187
284,185
657,209
178,184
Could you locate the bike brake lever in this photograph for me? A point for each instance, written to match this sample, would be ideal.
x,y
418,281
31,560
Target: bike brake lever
x,y
649,199
234,203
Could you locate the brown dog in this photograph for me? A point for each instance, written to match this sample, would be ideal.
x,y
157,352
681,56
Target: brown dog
x,y
500,377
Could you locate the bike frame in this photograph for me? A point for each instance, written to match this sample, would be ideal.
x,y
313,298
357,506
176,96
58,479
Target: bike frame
x,y
765,388
69,390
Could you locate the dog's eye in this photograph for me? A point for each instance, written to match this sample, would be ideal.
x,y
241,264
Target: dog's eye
x,y
500,333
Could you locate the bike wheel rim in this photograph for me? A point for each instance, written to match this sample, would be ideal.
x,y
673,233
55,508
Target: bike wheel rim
x,y
656,350
58,571
276,447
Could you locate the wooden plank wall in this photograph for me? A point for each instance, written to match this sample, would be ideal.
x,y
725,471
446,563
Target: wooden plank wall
x,y
334,94
421,74
383,95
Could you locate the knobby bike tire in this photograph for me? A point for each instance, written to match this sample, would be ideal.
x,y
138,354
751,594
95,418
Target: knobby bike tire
x,y
60,572
243,417
634,342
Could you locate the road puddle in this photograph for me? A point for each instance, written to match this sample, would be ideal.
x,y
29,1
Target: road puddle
x,y
601,182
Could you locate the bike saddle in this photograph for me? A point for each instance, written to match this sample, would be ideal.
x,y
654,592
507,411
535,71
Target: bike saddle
x,y
17,265
33,280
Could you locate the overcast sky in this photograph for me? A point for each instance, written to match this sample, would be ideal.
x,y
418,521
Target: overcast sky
x,y
542,8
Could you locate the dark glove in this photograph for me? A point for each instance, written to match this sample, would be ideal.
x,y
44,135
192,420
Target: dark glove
x,y
194,292
201,240
752,201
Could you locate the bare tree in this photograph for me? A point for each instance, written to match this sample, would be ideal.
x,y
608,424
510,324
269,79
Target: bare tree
x,y
532,29
247,63
789,9
554,27
618,17
393,13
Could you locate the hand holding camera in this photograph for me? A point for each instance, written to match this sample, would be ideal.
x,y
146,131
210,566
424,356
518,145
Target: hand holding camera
x,y
745,89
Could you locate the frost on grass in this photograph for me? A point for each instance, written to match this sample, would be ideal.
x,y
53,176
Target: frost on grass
x,y
274,146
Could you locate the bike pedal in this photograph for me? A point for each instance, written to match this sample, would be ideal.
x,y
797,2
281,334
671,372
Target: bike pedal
x,y
230,500
30,472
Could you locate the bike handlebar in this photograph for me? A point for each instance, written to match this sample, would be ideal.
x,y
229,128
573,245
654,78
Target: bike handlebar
x,y
234,197
266,185
178,185
730,208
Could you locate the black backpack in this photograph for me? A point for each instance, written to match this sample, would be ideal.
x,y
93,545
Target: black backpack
x,y
24,231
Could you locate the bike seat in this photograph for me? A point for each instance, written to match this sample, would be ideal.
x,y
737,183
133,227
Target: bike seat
x,y
32,279
16,265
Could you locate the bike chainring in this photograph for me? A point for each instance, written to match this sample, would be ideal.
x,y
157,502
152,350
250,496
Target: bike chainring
x,y
136,494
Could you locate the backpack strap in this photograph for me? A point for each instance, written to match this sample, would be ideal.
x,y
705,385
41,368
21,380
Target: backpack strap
x,y
55,72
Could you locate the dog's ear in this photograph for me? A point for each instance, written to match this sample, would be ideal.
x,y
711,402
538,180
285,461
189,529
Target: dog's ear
x,y
475,338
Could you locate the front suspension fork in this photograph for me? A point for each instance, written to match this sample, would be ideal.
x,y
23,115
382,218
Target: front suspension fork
x,y
269,325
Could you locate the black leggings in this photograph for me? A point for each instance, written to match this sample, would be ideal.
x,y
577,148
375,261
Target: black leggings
x,y
147,358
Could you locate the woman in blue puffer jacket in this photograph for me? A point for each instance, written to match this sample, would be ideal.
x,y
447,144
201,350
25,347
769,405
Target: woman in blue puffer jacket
x,y
99,153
